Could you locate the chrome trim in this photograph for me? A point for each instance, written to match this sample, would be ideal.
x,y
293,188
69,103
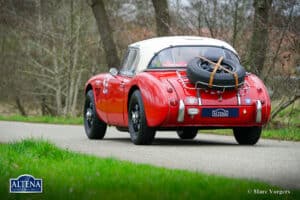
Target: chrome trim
x,y
199,96
238,98
89,114
221,86
181,110
113,71
258,111
199,101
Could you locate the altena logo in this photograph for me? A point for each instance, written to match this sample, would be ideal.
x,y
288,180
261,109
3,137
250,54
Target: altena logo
x,y
25,184
220,113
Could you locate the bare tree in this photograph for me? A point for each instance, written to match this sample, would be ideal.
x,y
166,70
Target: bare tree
x,y
106,33
284,30
280,69
11,55
59,70
162,17
285,102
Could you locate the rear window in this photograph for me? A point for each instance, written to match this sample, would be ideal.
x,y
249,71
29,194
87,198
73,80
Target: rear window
x,y
181,55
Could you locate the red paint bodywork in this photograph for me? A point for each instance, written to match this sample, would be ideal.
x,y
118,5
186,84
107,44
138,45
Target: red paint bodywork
x,y
161,92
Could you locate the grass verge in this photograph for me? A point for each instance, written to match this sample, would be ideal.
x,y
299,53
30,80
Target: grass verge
x,y
68,175
43,119
292,133
282,134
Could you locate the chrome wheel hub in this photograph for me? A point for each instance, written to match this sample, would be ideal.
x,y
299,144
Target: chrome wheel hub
x,y
135,117
88,114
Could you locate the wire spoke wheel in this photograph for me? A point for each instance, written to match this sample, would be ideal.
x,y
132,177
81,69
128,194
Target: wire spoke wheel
x,y
135,116
89,114
94,127
139,130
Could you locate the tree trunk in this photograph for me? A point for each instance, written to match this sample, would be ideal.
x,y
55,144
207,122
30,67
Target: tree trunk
x,y
58,88
259,40
106,33
235,22
162,17
71,59
40,28
20,106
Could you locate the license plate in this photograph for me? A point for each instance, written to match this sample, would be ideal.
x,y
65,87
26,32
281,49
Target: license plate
x,y
220,112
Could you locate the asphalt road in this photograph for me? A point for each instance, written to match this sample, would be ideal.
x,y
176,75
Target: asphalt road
x,y
275,162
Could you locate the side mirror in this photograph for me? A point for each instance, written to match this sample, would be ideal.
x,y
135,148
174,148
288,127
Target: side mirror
x,y
113,71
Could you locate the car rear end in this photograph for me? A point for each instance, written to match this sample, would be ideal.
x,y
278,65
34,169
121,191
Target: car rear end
x,y
246,106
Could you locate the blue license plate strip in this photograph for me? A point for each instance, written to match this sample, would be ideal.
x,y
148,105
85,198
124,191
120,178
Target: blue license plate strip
x,y
220,112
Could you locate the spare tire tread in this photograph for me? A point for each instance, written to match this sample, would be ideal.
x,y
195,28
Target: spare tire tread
x,y
196,74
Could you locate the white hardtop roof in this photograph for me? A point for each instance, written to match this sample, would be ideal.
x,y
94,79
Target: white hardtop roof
x,y
148,48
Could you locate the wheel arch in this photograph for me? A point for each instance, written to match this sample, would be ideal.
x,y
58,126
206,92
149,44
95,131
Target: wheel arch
x,y
132,89
88,87
154,99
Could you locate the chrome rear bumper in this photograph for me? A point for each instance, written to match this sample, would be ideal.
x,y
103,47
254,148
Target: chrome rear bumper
x,y
181,111
258,117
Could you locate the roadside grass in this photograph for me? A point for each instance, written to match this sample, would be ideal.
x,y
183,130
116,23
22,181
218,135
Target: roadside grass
x,y
44,119
289,116
68,175
291,133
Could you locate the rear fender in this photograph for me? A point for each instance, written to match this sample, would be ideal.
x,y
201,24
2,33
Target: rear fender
x,y
155,98
258,91
95,84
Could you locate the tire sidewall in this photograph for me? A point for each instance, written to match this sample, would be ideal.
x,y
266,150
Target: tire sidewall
x,y
247,135
187,133
98,127
89,99
135,98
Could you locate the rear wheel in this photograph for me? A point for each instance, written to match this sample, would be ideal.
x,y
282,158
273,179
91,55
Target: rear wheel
x,y
247,135
95,128
187,133
139,131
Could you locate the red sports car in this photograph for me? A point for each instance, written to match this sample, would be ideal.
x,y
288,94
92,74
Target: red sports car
x,y
178,83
